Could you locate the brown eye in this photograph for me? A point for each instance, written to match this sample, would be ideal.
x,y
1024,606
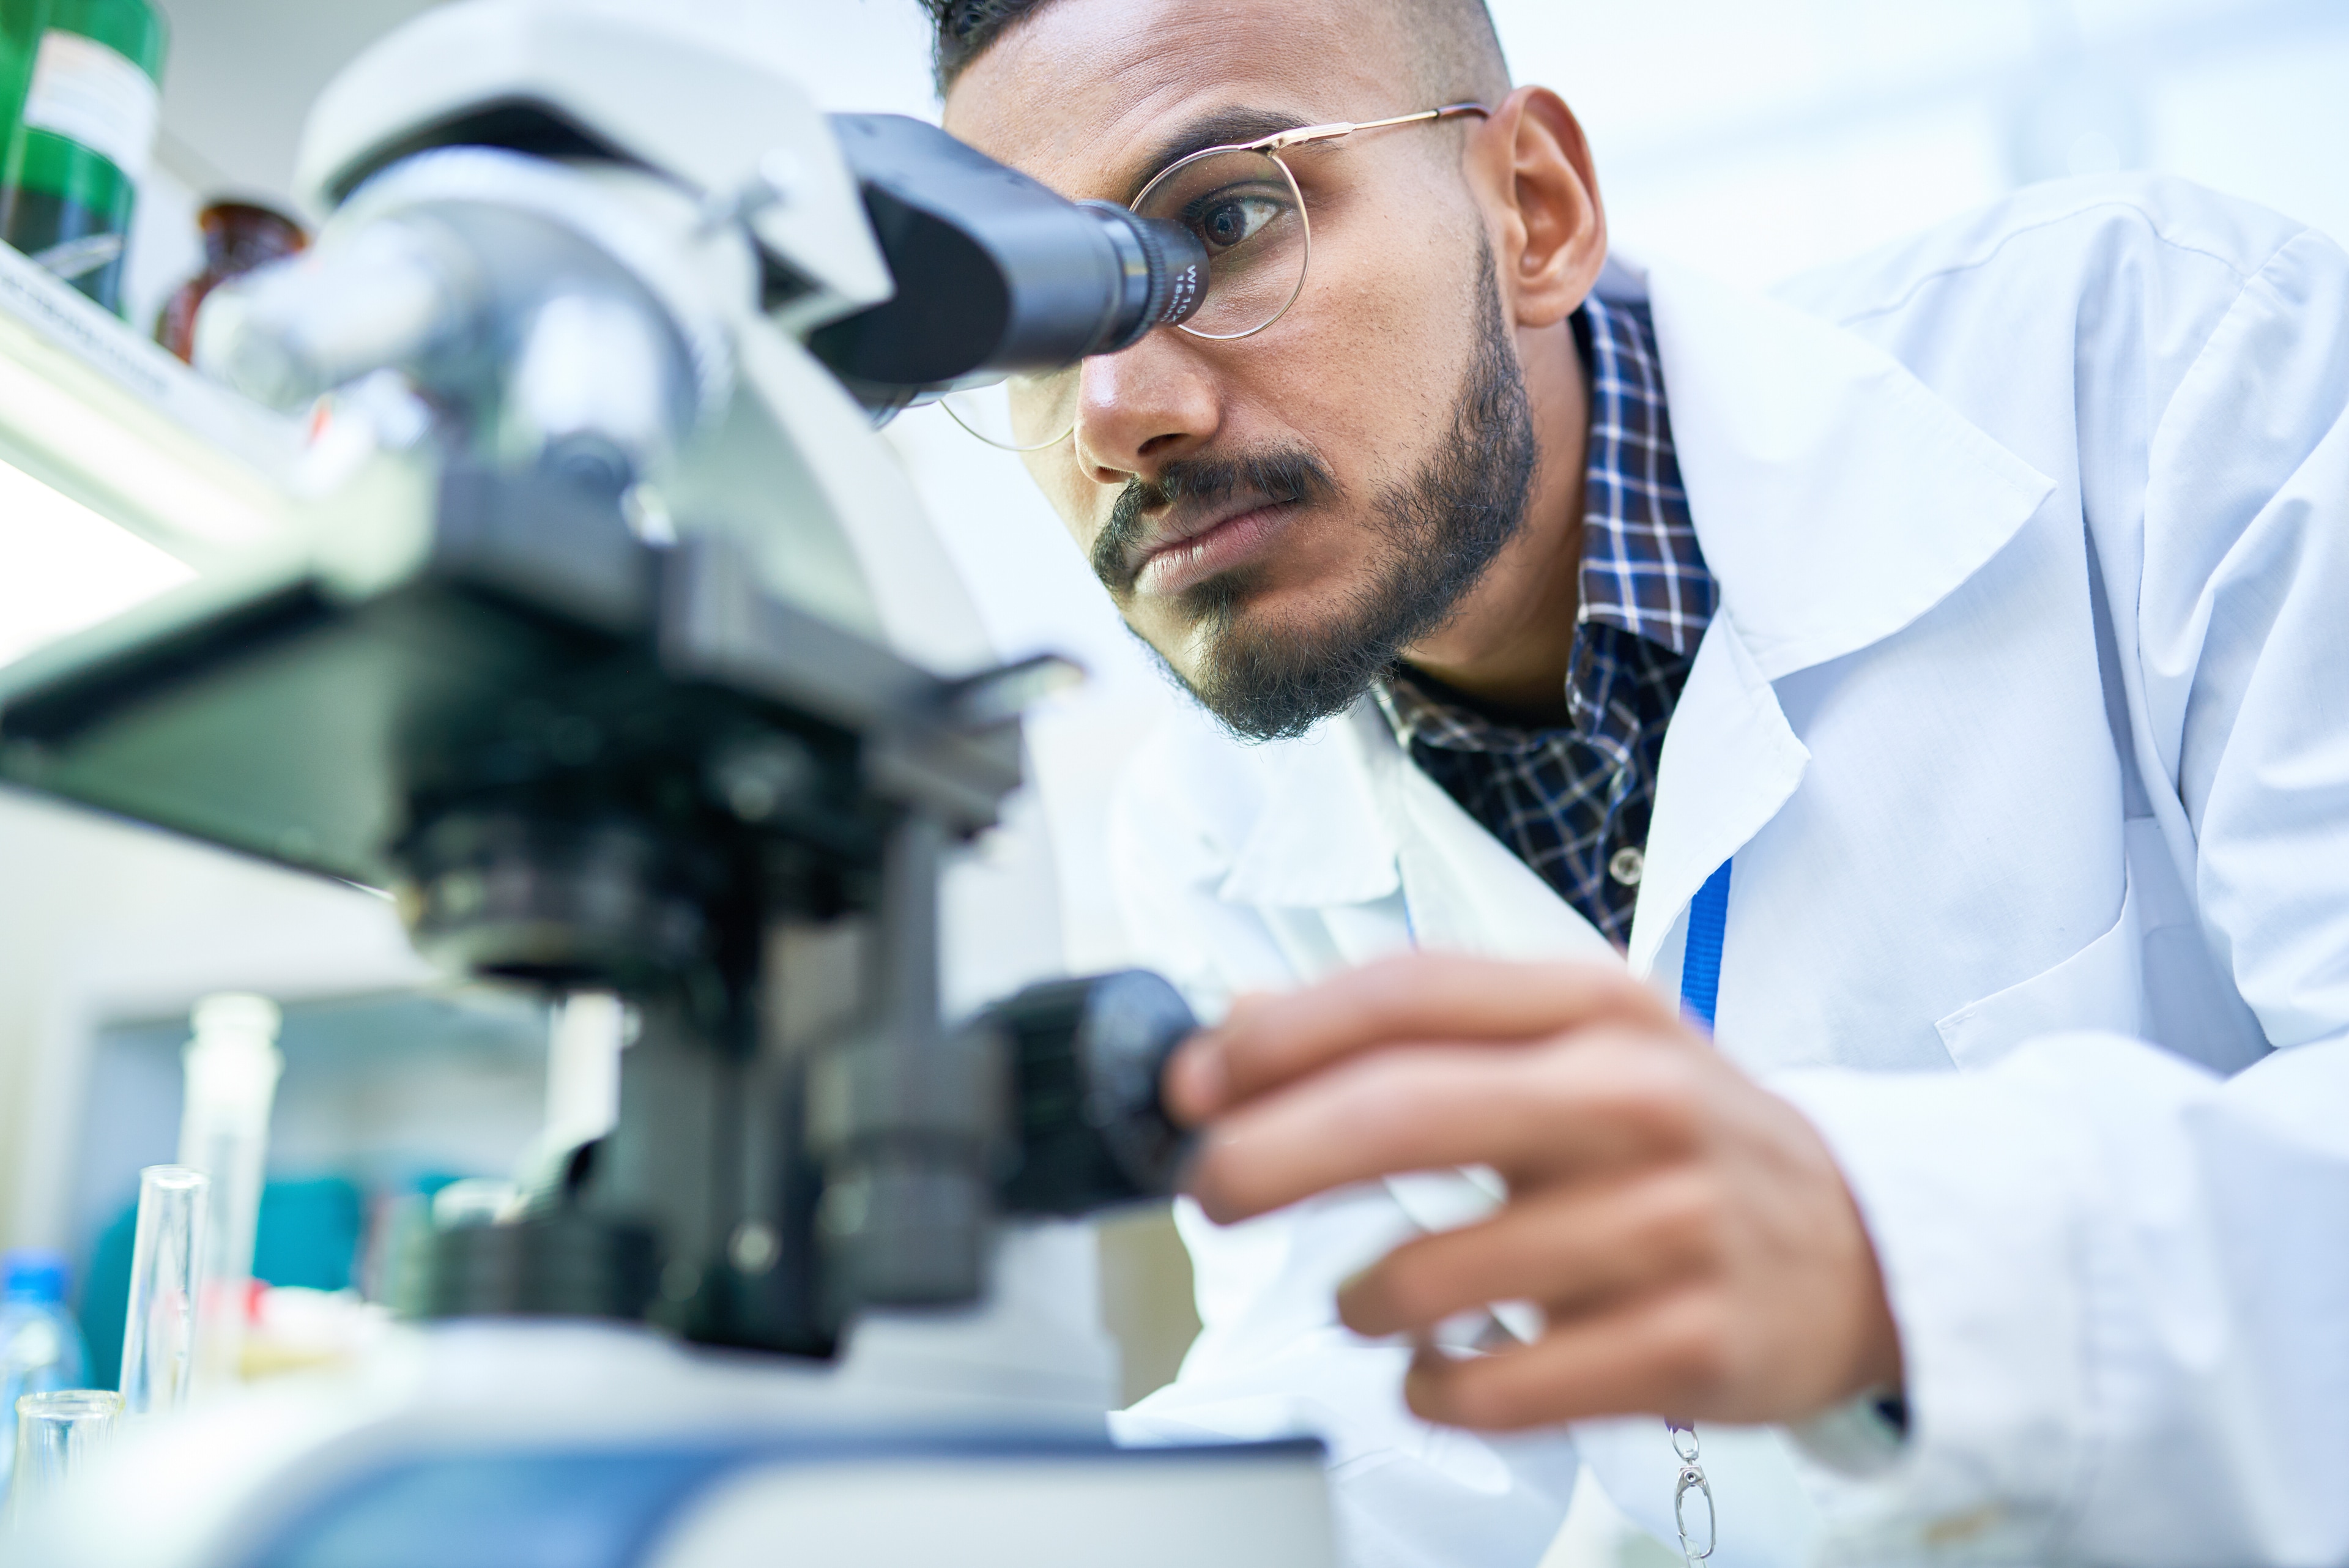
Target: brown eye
x,y
1230,219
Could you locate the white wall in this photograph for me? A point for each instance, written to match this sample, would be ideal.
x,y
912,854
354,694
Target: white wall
x,y
1761,137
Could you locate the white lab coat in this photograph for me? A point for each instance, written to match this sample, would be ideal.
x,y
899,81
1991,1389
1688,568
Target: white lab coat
x,y
2052,948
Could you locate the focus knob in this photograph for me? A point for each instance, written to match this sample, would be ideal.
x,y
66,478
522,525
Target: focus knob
x,y
1086,1055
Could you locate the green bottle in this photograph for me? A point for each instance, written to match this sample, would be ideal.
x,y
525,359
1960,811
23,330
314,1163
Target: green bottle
x,y
87,73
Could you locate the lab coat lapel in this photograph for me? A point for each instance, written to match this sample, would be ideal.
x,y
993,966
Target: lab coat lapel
x,y
1320,837
1837,499
1730,761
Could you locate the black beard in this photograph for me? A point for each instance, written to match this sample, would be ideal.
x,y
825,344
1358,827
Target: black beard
x,y
1438,532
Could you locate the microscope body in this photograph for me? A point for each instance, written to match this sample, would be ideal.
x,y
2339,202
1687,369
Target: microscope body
x,y
617,650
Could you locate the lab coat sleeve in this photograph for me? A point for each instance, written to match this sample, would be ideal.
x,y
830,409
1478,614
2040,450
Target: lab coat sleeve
x,y
1271,1359
2120,1279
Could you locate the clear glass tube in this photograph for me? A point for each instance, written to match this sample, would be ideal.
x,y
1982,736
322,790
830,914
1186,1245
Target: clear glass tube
x,y
55,1432
159,1336
230,1069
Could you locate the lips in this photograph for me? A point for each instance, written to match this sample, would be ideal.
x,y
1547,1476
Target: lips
x,y
1187,551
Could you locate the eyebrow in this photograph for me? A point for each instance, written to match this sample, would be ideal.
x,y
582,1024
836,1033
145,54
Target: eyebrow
x,y
1219,128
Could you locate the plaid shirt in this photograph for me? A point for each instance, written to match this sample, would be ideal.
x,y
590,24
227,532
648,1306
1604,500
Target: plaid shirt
x,y
1573,802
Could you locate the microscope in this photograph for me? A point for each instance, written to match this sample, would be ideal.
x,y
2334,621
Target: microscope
x,y
602,651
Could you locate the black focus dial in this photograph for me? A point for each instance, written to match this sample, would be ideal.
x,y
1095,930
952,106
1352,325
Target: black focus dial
x,y
1086,1056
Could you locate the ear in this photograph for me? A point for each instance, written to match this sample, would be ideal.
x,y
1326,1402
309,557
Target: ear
x,y
1531,170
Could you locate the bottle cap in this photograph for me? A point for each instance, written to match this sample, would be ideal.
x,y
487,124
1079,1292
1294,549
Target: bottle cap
x,y
35,1273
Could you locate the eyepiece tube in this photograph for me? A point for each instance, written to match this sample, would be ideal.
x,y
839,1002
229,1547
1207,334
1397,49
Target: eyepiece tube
x,y
995,273
1164,275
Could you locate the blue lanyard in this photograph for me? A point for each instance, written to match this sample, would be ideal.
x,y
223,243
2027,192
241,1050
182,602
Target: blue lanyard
x,y
1700,968
1700,989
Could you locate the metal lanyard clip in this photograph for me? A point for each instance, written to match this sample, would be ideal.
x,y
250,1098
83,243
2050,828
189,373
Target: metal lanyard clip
x,y
1692,1479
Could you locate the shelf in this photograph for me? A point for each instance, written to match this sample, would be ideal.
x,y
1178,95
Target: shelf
x,y
109,418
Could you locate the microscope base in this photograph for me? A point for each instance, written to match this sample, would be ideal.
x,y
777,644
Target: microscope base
x,y
523,1443
878,1501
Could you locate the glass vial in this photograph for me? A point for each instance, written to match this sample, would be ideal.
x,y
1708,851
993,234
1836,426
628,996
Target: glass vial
x,y
56,1431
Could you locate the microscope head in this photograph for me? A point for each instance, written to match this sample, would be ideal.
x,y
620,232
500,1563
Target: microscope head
x,y
1001,275
576,84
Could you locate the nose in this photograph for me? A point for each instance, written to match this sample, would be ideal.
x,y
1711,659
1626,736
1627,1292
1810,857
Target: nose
x,y
1139,410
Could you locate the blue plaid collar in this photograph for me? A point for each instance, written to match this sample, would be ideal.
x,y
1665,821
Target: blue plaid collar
x,y
1641,568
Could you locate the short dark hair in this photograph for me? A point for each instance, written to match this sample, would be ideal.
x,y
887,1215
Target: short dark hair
x,y
963,29
1464,51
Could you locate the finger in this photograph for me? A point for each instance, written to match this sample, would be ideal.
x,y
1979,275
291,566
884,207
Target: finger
x,y
1569,1248
1416,996
1195,1083
1661,1354
1605,1100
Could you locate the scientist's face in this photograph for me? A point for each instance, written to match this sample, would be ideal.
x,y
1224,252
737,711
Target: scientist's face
x,y
1280,515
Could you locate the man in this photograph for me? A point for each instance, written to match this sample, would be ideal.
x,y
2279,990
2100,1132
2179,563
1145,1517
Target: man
x,y
1944,666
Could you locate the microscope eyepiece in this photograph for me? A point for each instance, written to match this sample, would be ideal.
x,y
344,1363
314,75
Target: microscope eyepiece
x,y
995,273
1164,275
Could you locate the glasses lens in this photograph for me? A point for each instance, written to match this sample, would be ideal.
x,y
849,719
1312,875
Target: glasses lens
x,y
1247,212
1025,413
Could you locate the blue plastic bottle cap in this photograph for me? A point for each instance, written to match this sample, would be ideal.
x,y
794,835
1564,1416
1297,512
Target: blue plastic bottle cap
x,y
33,1272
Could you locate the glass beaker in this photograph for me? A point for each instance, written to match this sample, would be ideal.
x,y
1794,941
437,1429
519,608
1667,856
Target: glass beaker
x,y
159,1335
56,1431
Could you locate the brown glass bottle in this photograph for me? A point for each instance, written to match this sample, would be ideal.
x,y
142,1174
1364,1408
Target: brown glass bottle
x,y
238,237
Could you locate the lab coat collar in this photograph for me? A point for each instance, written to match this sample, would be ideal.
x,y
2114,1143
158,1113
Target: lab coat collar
x,y
1837,499
1835,496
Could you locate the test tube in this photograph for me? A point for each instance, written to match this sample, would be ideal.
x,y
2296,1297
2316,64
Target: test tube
x,y
159,1337
231,1067
56,1431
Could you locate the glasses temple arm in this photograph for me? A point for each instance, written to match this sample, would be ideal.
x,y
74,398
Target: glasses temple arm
x,y
1309,133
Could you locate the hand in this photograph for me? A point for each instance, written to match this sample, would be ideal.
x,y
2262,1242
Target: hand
x,y
1685,1231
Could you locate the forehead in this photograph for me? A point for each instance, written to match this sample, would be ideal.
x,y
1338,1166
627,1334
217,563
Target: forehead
x,y
1092,96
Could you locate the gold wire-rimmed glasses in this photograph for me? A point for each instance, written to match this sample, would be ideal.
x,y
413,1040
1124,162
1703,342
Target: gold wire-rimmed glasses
x,y
1243,203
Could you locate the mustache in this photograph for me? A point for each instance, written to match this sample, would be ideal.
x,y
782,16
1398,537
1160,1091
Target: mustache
x,y
1281,475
